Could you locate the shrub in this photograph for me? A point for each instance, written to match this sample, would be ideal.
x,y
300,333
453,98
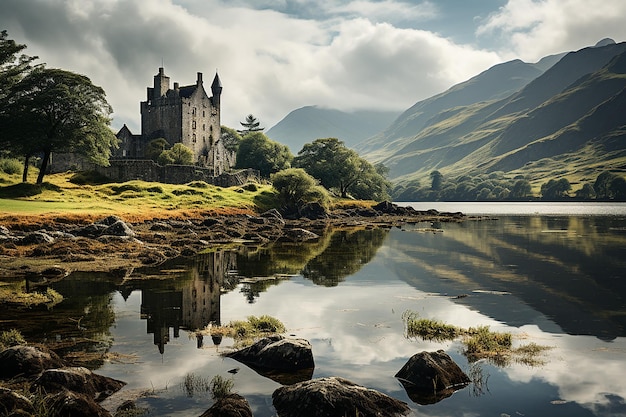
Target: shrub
x,y
221,387
296,188
10,338
89,177
11,166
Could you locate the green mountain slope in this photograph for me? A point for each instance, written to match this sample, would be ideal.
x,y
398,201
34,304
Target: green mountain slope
x,y
306,124
567,122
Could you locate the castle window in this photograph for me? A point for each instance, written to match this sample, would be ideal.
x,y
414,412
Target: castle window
x,y
211,128
193,124
193,111
203,127
203,115
193,138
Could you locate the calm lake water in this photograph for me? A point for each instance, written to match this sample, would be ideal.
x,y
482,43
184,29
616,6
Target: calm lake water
x,y
555,279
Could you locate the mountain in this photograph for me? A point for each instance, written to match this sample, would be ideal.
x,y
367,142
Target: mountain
x,y
306,124
497,82
566,121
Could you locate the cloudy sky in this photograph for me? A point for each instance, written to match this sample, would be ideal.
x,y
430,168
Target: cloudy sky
x,y
274,56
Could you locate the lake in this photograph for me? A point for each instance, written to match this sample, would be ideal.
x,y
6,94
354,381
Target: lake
x,y
551,275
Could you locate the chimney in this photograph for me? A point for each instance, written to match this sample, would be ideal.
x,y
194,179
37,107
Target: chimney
x,y
176,87
199,82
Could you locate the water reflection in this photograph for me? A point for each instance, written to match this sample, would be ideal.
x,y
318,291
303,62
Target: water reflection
x,y
554,281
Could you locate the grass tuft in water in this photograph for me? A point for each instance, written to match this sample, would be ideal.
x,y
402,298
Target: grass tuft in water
x,y
221,387
428,329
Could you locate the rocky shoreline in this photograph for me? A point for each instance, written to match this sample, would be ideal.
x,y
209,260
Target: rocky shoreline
x,y
53,248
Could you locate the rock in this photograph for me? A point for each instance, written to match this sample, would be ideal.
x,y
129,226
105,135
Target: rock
x,y
36,238
313,211
298,235
91,231
330,397
109,221
285,360
70,404
77,379
161,227
26,361
14,404
119,228
273,214
232,405
429,377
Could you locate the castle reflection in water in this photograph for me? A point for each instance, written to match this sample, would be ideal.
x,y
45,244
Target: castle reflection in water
x,y
191,304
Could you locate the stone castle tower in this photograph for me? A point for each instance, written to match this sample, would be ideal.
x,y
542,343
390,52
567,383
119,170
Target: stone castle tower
x,y
184,115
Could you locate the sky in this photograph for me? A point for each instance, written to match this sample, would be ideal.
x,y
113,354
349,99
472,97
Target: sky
x,y
275,56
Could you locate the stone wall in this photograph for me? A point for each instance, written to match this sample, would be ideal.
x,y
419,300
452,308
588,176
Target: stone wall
x,y
147,170
122,170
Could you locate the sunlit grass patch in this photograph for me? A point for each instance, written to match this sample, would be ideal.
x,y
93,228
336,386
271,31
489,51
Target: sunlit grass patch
x,y
428,329
245,331
479,342
15,294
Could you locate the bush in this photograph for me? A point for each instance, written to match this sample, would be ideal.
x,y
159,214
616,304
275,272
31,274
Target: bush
x,y
11,166
296,188
11,338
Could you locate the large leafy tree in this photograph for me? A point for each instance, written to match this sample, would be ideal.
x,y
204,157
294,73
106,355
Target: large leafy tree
x,y
13,65
52,110
340,168
259,152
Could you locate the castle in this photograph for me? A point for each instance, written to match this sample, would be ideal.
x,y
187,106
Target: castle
x,y
184,115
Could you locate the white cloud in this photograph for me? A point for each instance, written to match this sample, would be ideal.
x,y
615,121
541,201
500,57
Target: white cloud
x,y
275,57
531,29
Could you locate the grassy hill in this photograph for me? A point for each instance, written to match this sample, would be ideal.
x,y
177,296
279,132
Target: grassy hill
x,y
567,122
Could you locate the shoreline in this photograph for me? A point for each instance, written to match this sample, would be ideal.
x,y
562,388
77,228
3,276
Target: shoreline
x,y
30,245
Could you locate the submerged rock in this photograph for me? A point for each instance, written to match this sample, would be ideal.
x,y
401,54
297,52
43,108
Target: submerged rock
x,y
334,397
429,377
285,360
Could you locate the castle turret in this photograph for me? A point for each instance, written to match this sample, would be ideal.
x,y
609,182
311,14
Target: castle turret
x,y
216,89
161,84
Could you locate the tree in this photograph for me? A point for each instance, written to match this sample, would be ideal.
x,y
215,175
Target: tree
x,y
250,125
338,167
13,66
586,192
555,190
259,152
296,188
179,154
231,139
52,110
521,189
602,186
436,180
155,147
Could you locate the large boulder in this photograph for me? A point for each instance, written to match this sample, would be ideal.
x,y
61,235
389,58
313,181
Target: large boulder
x,y
334,397
26,361
232,405
296,235
429,377
79,380
285,360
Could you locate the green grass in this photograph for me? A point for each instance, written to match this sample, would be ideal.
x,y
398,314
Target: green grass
x,y
61,193
479,342
10,338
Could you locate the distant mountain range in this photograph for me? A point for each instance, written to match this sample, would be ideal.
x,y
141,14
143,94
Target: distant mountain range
x,y
562,117
306,124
